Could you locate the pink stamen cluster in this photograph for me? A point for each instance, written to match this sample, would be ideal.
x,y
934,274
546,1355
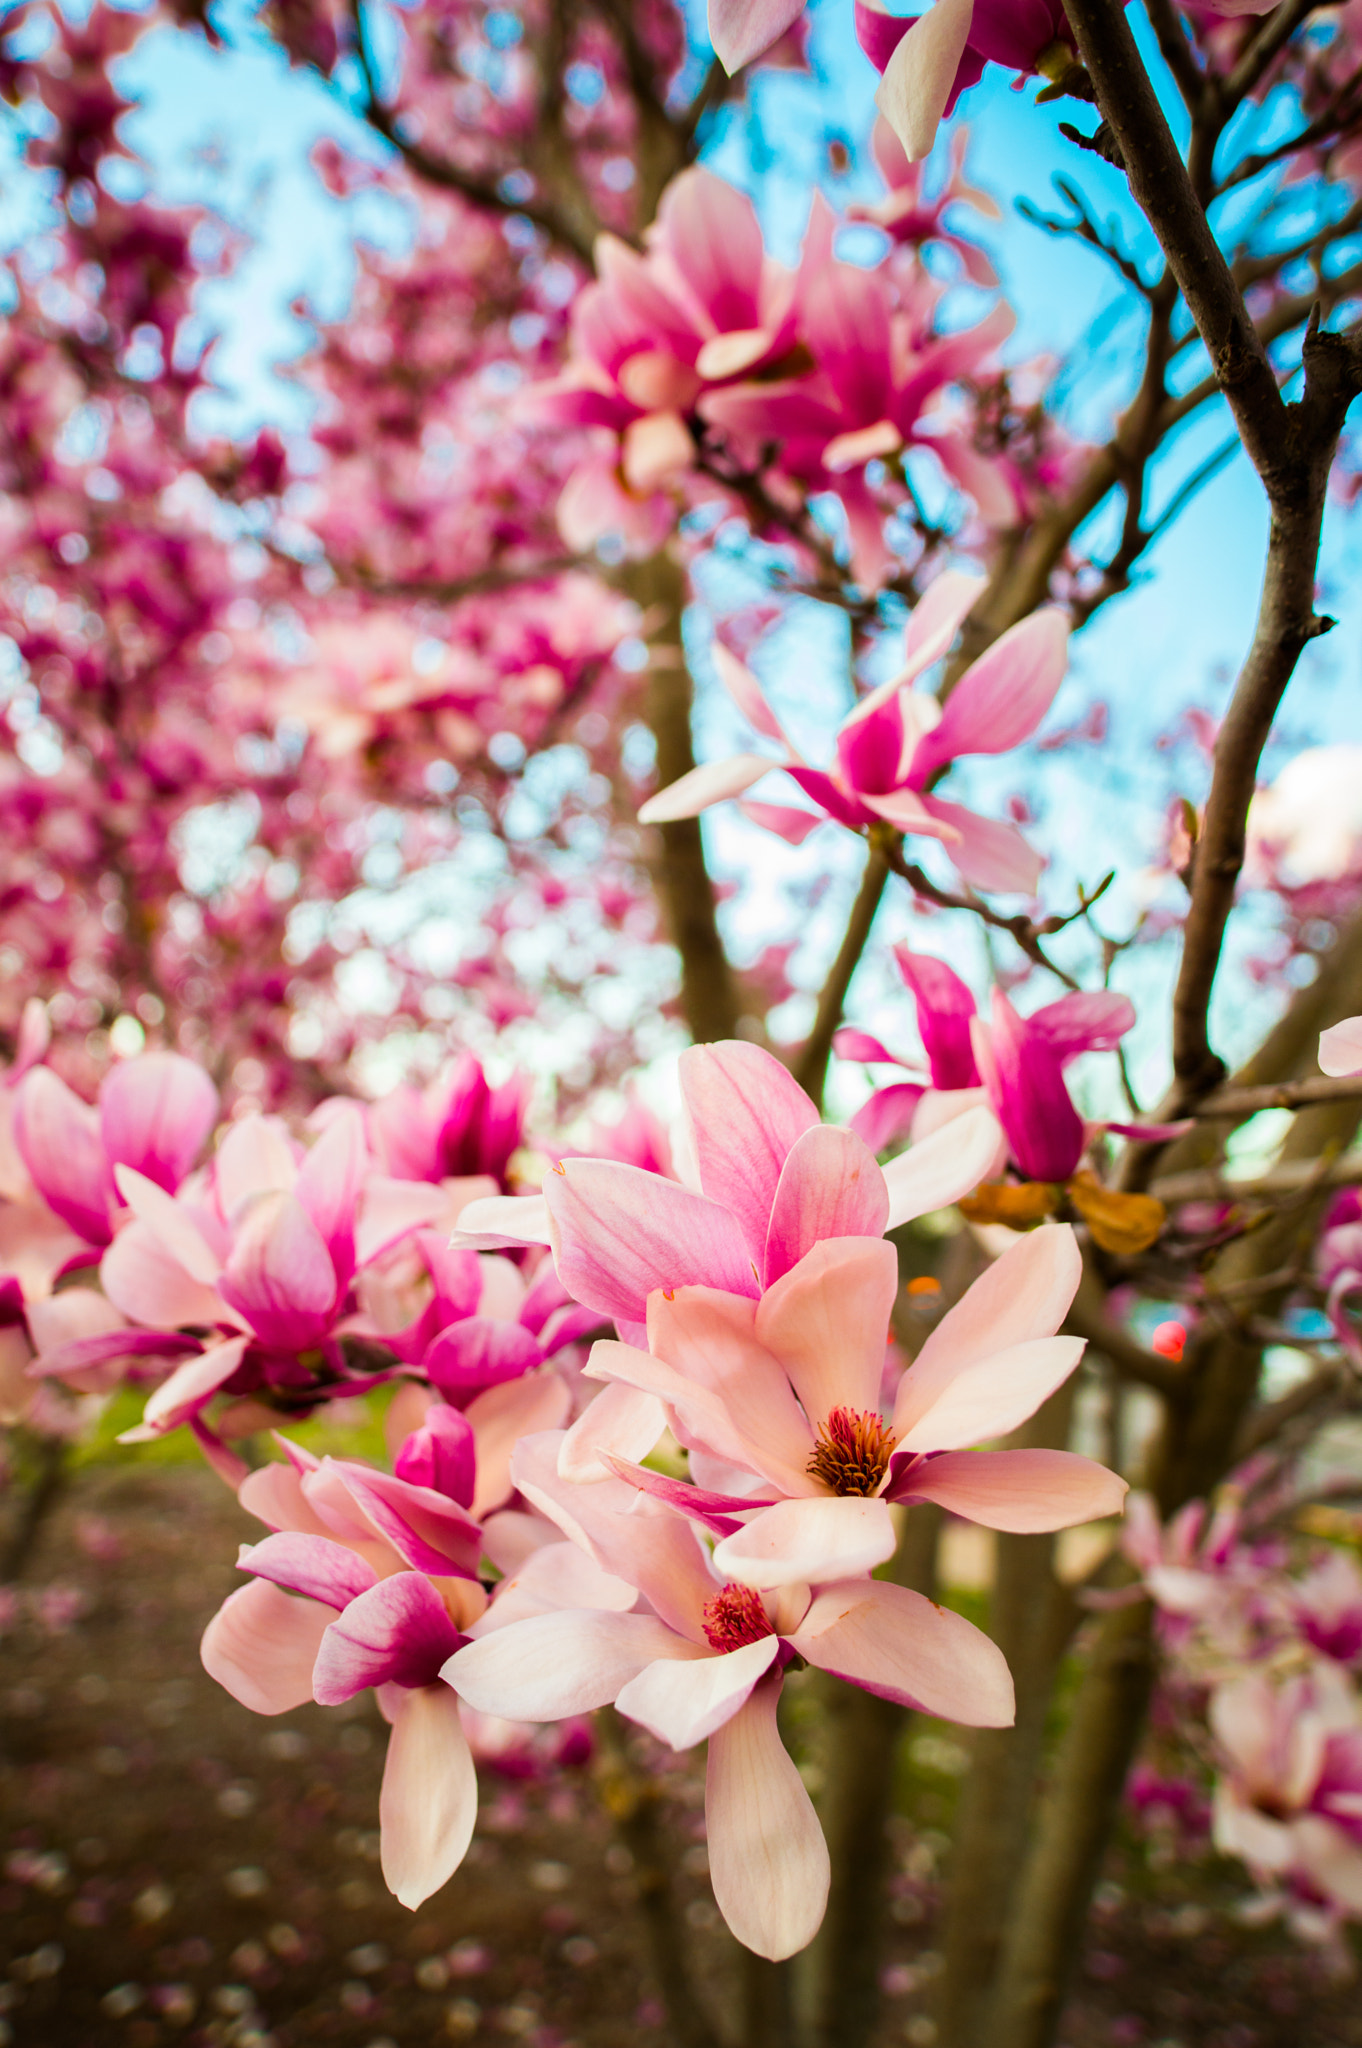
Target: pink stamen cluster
x,y
852,1453
735,1617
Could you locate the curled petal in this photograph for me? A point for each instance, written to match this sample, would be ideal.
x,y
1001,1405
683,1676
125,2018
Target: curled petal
x,y
741,29
312,1565
396,1633
920,76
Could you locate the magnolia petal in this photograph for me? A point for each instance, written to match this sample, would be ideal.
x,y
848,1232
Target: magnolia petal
x,y
719,1512
994,1396
741,29
429,1798
397,1633
710,1340
1340,1049
699,1413
804,1542
553,1665
1023,1295
620,1422
768,1861
480,1351
991,855
826,1321
312,1565
555,1576
188,1387
144,1277
709,784
830,1187
745,1113
920,75
256,1157
903,1647
500,1417
933,1174
1019,1491
500,1220
155,1113
58,1139
740,683
261,1646
683,1700
619,1232
1002,697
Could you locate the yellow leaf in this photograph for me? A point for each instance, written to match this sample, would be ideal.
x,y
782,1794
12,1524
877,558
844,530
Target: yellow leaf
x,y
1119,1223
1018,1205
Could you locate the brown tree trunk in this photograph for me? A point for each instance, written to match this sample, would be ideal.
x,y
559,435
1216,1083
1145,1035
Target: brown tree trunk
x,y
709,992
1031,1617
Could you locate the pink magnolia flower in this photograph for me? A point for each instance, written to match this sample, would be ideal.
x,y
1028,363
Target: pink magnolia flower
x,y
1290,1802
1326,1607
907,214
784,1393
895,744
1022,1062
929,59
766,1181
369,1579
881,369
154,1115
458,1128
703,1660
703,304
1017,1065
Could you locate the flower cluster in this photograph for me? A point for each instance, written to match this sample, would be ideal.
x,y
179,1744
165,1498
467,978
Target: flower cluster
x,y
1267,1646
526,1561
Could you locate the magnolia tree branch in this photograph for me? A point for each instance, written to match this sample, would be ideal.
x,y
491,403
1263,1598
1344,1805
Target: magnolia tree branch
x,y
1290,447
811,1067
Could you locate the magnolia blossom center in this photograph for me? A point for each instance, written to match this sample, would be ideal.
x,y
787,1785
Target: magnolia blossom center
x,y
734,1617
852,1452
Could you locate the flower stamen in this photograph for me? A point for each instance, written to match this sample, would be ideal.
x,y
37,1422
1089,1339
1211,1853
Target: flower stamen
x,y
735,1617
852,1453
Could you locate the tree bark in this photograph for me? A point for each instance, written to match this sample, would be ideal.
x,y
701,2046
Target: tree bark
x,y
1031,1618
1198,1444
709,992
864,1736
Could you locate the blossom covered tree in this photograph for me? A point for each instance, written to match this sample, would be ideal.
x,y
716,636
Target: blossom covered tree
x,y
365,747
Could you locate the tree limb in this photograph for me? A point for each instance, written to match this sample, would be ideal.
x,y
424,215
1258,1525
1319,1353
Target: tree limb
x,y
812,1065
